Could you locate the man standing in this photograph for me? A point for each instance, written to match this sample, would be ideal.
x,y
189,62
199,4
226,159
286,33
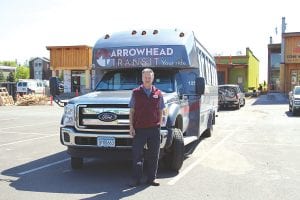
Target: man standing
x,y
146,106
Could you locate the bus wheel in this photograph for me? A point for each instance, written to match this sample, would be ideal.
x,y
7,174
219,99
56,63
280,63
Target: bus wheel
x,y
174,159
76,163
208,132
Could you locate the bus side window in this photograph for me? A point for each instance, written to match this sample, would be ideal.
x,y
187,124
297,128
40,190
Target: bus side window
x,y
188,81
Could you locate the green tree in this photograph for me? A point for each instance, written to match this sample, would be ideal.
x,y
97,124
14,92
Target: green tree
x,y
22,73
2,79
8,63
11,77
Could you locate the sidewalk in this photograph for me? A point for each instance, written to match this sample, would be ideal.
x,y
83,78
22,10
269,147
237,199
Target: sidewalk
x,y
271,98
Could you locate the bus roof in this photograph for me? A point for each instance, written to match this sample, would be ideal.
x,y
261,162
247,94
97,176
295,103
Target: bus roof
x,y
171,48
145,38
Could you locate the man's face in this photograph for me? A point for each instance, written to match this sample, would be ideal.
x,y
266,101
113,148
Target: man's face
x,y
147,78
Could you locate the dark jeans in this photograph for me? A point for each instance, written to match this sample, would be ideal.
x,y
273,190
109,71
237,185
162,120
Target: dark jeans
x,y
151,137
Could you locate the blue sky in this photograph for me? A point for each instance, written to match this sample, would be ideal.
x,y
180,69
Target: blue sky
x,y
223,27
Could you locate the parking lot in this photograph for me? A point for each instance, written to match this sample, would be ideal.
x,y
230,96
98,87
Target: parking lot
x,y
252,154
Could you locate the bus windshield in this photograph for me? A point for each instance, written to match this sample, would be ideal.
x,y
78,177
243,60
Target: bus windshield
x,y
128,80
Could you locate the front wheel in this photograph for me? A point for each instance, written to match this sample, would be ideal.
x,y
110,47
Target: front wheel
x,y
174,159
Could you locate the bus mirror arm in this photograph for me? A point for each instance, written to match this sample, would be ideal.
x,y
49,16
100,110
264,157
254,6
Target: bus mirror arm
x,y
59,102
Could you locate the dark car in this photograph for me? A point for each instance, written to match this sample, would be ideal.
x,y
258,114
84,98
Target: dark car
x,y
231,95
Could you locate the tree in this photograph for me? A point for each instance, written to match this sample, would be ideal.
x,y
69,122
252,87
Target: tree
x,y
11,77
2,79
22,72
8,63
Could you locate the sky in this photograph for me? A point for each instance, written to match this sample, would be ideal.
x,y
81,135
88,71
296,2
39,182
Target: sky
x,y
224,27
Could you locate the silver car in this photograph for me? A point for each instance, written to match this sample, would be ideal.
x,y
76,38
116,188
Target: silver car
x,y
231,95
294,100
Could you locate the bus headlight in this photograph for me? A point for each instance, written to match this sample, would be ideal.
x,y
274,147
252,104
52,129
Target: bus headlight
x,y
69,115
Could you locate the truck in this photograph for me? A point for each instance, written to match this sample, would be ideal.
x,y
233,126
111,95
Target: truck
x,y
294,100
97,124
30,86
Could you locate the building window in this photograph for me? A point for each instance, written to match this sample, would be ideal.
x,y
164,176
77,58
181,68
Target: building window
x,y
275,60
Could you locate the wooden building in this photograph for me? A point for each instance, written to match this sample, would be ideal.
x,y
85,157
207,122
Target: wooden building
x,y
290,68
73,64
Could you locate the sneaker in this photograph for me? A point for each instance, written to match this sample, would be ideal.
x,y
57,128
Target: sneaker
x,y
153,183
134,183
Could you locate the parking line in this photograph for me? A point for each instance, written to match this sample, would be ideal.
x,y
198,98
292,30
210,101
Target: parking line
x,y
8,119
44,166
23,133
27,125
1,145
194,164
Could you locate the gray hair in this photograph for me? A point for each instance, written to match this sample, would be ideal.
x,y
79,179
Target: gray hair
x,y
148,70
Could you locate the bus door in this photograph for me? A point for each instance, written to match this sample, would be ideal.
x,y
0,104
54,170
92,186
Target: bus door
x,y
190,104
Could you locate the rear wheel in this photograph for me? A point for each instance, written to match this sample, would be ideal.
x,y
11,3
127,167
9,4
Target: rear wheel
x,y
76,163
174,159
294,111
238,106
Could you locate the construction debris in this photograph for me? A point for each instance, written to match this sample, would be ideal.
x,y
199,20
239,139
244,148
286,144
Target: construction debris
x,y
31,99
5,98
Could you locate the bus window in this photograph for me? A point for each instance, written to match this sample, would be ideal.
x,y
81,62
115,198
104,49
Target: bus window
x,y
208,72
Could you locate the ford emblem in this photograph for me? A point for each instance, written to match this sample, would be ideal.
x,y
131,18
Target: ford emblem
x,y
107,116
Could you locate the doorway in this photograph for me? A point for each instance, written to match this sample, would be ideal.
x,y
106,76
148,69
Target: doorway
x,y
77,80
295,78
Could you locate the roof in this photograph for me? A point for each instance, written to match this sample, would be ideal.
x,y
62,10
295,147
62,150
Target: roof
x,y
42,58
65,47
147,37
230,85
8,68
291,34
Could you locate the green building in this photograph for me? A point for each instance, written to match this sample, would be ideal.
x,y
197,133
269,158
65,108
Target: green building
x,y
242,70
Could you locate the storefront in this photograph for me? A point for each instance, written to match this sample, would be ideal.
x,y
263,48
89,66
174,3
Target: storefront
x,y
290,72
241,69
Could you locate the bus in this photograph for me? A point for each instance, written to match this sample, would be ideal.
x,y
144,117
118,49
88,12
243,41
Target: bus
x,y
184,71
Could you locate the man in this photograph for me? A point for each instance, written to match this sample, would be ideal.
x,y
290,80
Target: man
x,y
146,107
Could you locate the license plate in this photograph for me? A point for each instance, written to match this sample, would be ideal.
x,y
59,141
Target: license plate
x,y
106,141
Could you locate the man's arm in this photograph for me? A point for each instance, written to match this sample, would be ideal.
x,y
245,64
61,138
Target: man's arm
x,y
161,117
131,114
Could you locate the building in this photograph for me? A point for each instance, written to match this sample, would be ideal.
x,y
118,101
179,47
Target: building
x,y
290,67
73,65
242,70
40,68
284,64
274,57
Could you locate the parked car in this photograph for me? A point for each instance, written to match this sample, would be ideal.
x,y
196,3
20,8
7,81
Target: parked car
x,y
294,100
231,95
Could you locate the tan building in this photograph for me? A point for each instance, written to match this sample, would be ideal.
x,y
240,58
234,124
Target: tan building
x,y
290,68
73,64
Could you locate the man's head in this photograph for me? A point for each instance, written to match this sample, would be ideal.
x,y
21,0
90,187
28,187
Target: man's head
x,y
147,77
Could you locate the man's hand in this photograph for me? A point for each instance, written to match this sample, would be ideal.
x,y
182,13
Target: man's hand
x,y
132,131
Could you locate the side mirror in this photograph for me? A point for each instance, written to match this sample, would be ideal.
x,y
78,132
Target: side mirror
x,y
54,86
200,85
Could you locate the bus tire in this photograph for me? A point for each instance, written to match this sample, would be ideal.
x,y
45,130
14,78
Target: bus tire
x,y
174,159
208,132
76,163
